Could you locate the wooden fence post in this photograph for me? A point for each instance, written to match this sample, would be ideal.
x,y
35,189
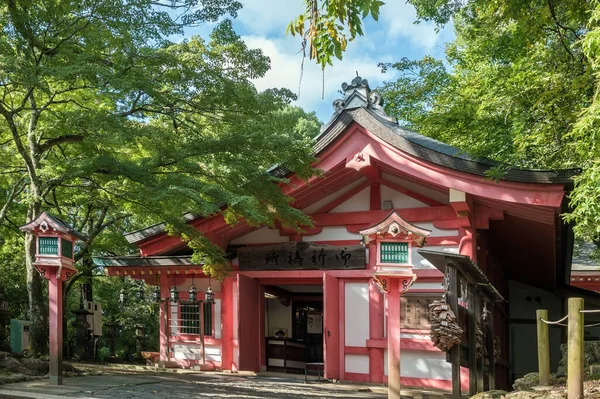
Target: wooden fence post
x,y
575,349
543,347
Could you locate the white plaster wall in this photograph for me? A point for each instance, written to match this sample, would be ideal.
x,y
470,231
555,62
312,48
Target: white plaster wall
x,y
434,194
424,364
356,313
331,197
425,286
173,318
423,337
435,232
357,364
419,262
278,316
194,352
359,202
261,236
333,233
399,200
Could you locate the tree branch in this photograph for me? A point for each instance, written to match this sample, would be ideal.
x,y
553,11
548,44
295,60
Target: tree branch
x,y
68,138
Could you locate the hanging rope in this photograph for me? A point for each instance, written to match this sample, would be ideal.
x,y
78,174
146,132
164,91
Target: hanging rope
x,y
558,322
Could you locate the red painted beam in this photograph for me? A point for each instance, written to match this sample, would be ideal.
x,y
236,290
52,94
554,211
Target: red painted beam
x,y
371,217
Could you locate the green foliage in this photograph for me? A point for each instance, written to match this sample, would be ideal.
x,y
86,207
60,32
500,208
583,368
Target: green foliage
x,y
519,85
328,26
108,124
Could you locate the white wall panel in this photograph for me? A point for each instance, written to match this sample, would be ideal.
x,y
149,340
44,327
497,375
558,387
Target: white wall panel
x,y
217,318
435,232
399,200
278,317
356,313
360,202
357,364
417,188
331,197
261,236
425,364
425,286
333,233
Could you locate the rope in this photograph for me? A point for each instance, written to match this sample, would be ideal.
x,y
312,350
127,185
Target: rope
x,y
592,325
590,311
557,322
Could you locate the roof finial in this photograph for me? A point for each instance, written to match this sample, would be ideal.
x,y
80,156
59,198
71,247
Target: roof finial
x,y
356,73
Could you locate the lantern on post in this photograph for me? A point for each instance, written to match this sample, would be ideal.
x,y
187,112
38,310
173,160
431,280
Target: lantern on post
x,y
54,260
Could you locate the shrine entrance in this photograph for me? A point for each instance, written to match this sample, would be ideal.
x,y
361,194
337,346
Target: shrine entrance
x,y
293,326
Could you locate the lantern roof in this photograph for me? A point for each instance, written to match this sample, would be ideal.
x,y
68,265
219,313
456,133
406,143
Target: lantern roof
x,y
394,225
45,221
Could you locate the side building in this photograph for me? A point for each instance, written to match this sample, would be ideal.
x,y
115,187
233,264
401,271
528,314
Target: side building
x,y
352,292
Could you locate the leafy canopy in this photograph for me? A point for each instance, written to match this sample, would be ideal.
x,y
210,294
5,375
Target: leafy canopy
x,y
326,27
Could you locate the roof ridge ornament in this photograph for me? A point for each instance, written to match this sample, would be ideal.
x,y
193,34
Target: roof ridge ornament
x,y
358,94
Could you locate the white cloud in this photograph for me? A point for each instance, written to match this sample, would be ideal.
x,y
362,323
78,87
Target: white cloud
x,y
269,16
286,67
398,18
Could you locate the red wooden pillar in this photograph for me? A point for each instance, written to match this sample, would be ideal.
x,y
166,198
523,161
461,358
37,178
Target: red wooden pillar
x,y
261,329
227,326
393,335
376,316
56,331
164,318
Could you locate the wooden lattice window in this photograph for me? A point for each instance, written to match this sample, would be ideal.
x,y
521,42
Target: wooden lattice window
x,y
393,252
188,319
66,248
48,245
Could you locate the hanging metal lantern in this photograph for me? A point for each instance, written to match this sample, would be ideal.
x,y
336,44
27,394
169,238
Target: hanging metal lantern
x,y
139,293
156,294
174,294
193,293
122,296
209,295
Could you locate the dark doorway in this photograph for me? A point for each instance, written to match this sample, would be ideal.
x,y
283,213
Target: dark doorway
x,y
308,328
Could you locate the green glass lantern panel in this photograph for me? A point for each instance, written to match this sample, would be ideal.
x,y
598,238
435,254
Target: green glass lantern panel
x,y
394,252
66,248
48,245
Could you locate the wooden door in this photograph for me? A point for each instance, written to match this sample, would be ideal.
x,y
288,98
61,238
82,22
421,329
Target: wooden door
x,y
248,323
331,328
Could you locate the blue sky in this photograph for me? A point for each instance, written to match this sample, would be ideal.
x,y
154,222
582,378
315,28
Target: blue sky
x,y
262,25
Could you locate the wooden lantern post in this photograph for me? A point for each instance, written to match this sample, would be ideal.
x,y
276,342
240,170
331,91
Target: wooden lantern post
x,y
390,242
54,260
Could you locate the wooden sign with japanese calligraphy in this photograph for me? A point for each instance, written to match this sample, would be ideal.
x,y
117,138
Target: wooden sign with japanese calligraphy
x,y
413,313
302,256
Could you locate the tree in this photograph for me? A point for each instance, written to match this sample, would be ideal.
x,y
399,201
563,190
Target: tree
x,y
520,87
110,124
326,27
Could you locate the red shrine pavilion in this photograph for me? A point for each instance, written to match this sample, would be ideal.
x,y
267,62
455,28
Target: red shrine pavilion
x,y
394,207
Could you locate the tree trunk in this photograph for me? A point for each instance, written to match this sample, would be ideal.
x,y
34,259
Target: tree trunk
x,y
38,309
